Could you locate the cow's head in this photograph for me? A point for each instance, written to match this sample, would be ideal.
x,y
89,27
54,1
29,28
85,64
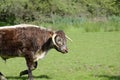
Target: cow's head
x,y
59,41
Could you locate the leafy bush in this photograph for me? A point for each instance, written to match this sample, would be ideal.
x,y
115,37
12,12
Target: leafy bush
x,y
26,11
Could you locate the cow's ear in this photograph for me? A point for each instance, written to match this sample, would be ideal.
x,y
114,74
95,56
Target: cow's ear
x,y
51,33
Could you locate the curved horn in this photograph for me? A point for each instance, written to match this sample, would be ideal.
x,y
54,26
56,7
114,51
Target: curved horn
x,y
68,38
53,38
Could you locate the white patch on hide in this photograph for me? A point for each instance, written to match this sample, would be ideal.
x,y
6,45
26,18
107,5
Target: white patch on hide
x,y
39,55
21,26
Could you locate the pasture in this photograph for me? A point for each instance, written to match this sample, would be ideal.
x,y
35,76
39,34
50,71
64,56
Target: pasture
x,y
92,56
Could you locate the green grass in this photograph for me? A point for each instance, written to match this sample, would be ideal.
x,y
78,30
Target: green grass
x,y
92,56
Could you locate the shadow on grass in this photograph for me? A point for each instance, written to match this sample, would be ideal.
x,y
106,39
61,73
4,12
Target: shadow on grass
x,y
25,78
110,77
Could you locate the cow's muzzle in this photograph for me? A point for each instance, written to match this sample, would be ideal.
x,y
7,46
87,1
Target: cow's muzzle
x,y
64,51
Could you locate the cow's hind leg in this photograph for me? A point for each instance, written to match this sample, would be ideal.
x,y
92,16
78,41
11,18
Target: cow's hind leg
x,y
26,71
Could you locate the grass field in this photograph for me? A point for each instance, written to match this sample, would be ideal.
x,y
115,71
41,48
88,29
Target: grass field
x,y
92,56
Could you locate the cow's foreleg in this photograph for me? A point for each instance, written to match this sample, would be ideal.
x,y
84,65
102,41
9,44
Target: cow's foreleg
x,y
26,71
30,66
30,63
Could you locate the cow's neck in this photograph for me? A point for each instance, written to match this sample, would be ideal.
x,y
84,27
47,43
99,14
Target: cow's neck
x,y
47,45
47,41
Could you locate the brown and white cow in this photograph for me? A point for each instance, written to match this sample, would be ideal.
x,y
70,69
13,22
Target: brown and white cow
x,y
31,42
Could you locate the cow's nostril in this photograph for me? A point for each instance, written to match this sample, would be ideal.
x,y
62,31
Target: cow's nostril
x,y
64,51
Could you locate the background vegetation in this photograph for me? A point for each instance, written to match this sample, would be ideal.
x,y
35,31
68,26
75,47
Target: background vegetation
x,y
100,15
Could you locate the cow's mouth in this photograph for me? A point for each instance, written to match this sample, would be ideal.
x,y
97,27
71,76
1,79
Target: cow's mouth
x,y
64,51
